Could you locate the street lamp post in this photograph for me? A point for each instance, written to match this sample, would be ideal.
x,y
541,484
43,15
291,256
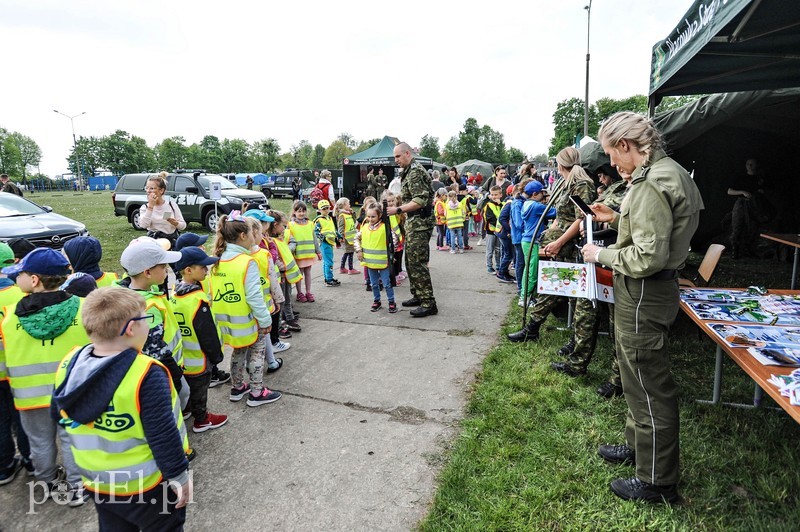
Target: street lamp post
x,y
74,140
586,99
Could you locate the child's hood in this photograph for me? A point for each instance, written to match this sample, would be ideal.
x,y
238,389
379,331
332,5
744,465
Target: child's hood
x,y
90,383
183,288
84,254
46,315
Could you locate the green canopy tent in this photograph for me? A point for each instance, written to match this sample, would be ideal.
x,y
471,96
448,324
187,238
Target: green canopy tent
x,y
729,46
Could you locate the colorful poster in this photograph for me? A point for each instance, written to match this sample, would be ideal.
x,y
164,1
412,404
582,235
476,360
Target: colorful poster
x,y
710,294
776,357
735,335
562,279
741,312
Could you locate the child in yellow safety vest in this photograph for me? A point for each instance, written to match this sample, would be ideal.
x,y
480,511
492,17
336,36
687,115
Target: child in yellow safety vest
x,y
199,334
372,250
239,308
454,217
287,266
37,332
439,202
325,229
346,227
123,420
304,248
397,223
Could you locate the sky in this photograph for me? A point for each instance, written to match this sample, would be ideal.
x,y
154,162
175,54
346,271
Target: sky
x,y
314,69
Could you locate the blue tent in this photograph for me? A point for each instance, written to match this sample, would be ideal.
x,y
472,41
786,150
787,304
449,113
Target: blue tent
x,y
258,178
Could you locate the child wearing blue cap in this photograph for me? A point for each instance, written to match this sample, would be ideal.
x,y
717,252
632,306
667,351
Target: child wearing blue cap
x,y
200,336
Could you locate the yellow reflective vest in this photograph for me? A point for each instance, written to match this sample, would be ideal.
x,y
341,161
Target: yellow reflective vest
x,y
373,247
292,273
349,227
326,229
112,453
32,363
107,279
262,259
304,238
495,208
185,308
454,216
9,295
159,307
237,325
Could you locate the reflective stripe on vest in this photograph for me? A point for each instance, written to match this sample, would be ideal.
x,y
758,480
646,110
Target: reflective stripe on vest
x,y
9,295
159,306
349,227
495,208
237,325
262,257
107,279
112,453
185,308
394,223
32,363
292,273
373,247
304,237
454,217
326,229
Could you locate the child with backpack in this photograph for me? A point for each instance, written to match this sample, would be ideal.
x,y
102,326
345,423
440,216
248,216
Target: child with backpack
x,y
346,227
325,229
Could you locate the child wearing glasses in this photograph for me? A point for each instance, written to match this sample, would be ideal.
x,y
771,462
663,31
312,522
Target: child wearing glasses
x,y
110,383
38,331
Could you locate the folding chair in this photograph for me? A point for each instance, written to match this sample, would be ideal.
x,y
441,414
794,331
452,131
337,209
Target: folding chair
x,y
707,267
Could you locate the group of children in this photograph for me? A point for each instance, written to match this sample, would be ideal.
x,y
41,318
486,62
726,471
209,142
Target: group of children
x,y
508,227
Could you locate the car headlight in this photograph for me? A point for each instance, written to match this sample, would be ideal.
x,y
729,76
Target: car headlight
x,y
83,231
234,200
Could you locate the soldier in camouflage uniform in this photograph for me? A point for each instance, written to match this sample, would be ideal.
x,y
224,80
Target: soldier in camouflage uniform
x,y
587,317
417,198
559,239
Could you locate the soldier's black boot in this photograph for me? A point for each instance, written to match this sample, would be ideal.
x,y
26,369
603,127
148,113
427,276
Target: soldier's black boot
x,y
529,333
567,349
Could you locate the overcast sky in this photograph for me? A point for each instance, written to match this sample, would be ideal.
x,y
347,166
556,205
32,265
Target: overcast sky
x,y
312,69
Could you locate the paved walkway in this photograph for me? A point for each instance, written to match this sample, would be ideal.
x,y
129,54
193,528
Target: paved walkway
x,y
355,443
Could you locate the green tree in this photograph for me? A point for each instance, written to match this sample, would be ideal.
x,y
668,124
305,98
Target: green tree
x,y
475,142
171,153
348,140
302,154
86,157
492,146
673,102
143,158
234,155
210,153
568,124
335,153
264,155
429,147
540,158
365,144
10,161
605,107
319,156
515,155
29,153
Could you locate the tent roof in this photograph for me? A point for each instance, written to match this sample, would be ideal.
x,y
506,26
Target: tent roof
x,y
738,45
381,153
765,111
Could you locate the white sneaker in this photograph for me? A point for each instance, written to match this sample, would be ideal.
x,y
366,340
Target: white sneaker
x,y
452,251
521,301
280,346
461,251
480,242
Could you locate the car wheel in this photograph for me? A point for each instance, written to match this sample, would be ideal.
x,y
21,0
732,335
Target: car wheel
x,y
267,192
211,220
134,219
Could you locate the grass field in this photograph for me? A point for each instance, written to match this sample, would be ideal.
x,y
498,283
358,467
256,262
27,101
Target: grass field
x,y
96,210
526,455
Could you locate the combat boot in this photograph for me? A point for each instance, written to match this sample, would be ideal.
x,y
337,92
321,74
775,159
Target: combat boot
x,y
567,349
529,333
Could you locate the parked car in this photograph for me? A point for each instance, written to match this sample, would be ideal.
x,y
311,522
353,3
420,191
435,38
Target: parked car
x,y
191,192
39,224
282,185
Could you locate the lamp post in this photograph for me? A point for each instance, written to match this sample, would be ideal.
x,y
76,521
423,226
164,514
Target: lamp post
x,y
586,99
74,140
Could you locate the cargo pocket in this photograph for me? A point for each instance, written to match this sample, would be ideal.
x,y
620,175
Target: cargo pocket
x,y
643,343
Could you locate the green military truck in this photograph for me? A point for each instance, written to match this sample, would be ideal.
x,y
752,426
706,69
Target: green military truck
x,y
191,192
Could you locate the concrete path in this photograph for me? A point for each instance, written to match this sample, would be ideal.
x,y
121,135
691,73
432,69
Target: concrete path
x,y
355,443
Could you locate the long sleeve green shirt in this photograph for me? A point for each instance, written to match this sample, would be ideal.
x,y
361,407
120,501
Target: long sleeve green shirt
x,y
657,220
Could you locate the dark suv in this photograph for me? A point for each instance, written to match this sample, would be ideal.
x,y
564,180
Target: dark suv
x,y
281,186
191,192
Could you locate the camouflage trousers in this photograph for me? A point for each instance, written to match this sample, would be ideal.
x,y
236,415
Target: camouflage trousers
x,y
418,254
545,303
586,326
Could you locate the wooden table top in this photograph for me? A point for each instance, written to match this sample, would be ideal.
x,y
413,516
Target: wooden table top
x,y
784,238
757,371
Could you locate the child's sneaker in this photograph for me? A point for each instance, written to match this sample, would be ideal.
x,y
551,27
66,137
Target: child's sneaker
x,y
480,242
344,271
462,250
354,272
9,474
278,365
266,396
468,248
238,393
453,251
490,270
444,248
284,332
293,326
191,454
392,307
27,463
280,347
187,414
78,496
218,377
376,305
301,297
212,421
369,287
332,282
309,298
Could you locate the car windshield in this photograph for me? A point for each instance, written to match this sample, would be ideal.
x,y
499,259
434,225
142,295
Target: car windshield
x,y
11,205
205,181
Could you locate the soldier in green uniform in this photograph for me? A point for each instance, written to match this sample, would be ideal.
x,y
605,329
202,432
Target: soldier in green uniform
x,y
381,182
416,199
586,320
560,238
656,222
